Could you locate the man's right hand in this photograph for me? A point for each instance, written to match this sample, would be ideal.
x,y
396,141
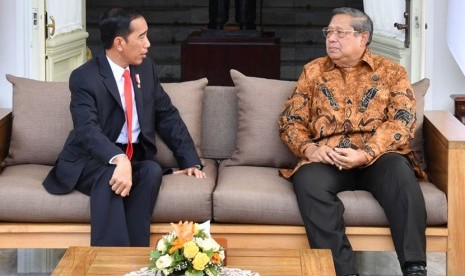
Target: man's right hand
x,y
121,180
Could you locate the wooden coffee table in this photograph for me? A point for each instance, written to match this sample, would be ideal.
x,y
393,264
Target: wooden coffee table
x,y
121,260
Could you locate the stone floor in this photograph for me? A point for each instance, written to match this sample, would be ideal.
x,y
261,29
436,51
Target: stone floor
x,y
41,262
386,264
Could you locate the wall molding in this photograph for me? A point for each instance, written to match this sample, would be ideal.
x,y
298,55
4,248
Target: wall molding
x,y
64,53
391,48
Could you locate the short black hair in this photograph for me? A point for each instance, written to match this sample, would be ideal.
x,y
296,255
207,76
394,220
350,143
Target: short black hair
x,y
116,22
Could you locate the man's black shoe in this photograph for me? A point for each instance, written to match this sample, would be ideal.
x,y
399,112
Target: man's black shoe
x,y
415,270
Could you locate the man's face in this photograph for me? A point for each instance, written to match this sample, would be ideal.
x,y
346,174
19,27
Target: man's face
x,y
135,46
348,48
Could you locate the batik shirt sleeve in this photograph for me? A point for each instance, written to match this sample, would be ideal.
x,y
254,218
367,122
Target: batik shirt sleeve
x,y
295,117
397,130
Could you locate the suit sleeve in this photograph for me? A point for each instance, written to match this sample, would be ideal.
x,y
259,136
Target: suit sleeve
x,y
87,128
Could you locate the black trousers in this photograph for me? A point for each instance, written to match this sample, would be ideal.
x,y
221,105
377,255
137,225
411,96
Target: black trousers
x,y
118,221
390,180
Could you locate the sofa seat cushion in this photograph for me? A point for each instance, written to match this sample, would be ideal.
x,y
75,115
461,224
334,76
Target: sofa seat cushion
x,y
258,195
23,198
185,197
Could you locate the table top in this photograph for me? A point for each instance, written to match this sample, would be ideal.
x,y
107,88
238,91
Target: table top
x,y
122,260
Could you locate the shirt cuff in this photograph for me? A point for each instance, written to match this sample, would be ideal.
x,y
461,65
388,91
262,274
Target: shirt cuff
x,y
111,162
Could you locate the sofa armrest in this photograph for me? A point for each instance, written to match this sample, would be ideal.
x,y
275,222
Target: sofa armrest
x,y
6,121
444,149
445,158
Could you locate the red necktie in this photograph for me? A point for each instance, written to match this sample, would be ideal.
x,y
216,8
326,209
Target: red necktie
x,y
128,101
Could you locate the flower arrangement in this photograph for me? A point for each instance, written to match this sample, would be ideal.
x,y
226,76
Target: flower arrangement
x,y
189,249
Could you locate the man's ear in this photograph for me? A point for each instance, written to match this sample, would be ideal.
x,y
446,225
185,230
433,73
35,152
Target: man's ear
x,y
118,43
365,37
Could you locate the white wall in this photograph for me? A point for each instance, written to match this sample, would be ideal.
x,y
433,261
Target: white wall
x,y
11,48
441,68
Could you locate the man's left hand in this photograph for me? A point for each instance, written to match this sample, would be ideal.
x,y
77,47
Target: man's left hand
x,y
347,158
194,171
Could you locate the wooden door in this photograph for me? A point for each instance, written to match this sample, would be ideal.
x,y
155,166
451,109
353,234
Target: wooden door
x,y
55,55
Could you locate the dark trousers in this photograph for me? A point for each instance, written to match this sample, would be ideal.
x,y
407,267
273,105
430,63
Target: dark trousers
x,y
118,221
392,183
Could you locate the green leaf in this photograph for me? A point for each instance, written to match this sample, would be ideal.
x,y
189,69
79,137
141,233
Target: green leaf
x,y
155,254
209,253
196,272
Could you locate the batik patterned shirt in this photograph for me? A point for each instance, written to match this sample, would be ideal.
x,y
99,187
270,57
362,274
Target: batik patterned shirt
x,y
370,108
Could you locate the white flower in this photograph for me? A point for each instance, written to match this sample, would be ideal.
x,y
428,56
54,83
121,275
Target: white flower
x,y
208,244
205,227
164,261
161,246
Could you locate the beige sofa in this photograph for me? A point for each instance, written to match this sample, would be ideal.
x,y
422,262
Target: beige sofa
x,y
235,132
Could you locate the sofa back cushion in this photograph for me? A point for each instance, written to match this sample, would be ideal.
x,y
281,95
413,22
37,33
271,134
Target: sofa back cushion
x,y
420,88
188,98
249,109
219,122
41,121
259,103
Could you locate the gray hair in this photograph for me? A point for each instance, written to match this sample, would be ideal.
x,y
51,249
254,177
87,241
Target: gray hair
x,y
361,22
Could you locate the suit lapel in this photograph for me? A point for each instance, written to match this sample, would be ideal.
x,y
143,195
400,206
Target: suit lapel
x,y
108,78
137,86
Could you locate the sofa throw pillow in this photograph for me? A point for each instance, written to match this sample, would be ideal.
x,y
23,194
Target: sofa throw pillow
x,y
259,103
420,88
41,121
187,97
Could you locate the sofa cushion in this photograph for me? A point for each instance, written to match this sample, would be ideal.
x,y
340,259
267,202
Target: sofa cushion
x,y
257,195
24,199
41,121
247,194
420,88
259,103
187,97
185,197
361,208
219,122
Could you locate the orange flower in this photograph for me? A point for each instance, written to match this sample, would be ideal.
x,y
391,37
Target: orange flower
x,y
177,244
216,258
184,231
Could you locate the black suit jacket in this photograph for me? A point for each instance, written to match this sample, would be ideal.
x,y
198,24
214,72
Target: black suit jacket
x,y
98,118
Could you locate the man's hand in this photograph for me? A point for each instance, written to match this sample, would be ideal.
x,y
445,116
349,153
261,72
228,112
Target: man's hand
x,y
347,158
192,171
319,154
340,157
121,180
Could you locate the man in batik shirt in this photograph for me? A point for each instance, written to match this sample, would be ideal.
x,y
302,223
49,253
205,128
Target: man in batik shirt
x,y
350,119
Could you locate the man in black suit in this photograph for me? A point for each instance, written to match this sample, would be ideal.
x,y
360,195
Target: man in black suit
x,y
105,157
